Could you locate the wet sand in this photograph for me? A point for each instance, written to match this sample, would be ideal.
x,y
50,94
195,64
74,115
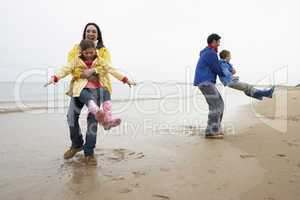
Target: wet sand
x,y
274,141
158,153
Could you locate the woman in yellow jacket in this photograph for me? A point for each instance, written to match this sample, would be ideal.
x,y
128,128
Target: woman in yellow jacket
x,y
91,32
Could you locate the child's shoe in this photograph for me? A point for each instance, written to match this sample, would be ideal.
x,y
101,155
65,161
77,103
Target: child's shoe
x,y
259,94
100,117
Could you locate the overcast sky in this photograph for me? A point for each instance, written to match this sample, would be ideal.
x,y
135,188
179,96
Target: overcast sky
x,y
153,40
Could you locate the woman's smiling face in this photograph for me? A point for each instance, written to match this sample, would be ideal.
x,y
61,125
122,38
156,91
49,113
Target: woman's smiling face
x,y
91,33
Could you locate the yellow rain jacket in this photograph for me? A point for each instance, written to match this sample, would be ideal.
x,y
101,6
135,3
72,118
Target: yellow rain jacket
x,y
76,66
102,53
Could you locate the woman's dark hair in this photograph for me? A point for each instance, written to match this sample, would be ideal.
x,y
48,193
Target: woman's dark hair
x,y
86,44
213,37
99,38
224,54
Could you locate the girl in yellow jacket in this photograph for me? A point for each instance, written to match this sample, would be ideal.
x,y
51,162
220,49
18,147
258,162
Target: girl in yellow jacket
x,y
88,70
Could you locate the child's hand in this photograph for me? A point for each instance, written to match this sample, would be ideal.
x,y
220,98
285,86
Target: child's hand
x,y
233,71
87,73
93,78
130,83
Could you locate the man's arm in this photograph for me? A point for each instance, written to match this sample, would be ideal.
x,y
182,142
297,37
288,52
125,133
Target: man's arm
x,y
214,63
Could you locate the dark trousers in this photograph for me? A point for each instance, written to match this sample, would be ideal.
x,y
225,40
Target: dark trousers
x,y
215,106
76,105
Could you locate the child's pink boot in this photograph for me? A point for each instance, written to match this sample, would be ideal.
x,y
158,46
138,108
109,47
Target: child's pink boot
x,y
109,121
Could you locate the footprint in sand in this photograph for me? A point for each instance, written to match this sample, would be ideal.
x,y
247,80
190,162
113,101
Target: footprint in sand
x,y
139,155
138,174
269,198
118,155
119,178
161,196
292,144
281,155
293,118
270,183
165,169
125,190
136,185
244,156
212,171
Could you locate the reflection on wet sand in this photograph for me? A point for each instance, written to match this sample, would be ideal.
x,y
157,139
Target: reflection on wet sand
x,y
83,180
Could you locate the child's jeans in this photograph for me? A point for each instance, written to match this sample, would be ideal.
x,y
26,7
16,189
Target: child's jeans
x,y
104,95
248,89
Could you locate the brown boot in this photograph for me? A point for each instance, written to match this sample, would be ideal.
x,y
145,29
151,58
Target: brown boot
x,y
70,153
90,160
214,136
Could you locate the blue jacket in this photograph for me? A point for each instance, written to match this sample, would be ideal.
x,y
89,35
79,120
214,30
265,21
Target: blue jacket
x,y
208,67
227,71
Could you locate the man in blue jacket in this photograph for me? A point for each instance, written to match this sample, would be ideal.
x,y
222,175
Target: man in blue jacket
x,y
208,67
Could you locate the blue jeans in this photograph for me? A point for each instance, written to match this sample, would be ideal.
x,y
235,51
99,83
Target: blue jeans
x,y
215,106
76,105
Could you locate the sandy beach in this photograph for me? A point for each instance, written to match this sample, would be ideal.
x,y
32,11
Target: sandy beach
x,y
158,153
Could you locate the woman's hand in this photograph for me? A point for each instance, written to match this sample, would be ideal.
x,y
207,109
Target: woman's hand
x,y
53,80
130,83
